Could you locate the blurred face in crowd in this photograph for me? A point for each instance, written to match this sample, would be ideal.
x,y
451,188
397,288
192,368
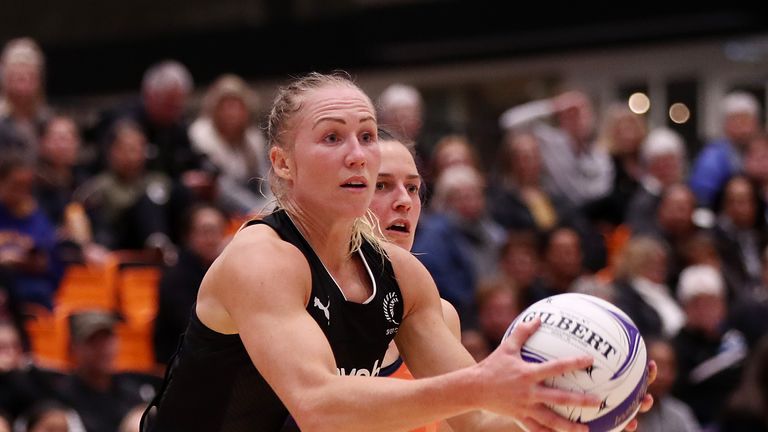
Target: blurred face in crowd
x,y
97,353
666,360
628,133
705,312
756,160
526,159
676,210
496,314
128,153
741,127
16,187
11,354
467,200
22,81
655,266
454,152
165,106
666,168
396,202
408,118
739,203
578,120
61,142
207,234
230,116
521,264
564,253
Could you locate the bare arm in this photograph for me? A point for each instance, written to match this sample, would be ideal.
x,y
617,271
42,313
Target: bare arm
x,y
511,386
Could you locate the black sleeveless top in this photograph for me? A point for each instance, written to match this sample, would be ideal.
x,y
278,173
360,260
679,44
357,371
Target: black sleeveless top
x,y
211,383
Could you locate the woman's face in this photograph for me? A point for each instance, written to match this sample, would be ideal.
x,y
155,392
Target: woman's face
x,y
396,202
332,156
231,116
61,142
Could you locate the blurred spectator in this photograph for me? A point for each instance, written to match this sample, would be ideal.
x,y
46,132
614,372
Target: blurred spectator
x,y
23,111
11,351
130,206
497,306
459,243
563,263
641,291
667,413
724,157
159,113
49,416
27,237
621,136
225,133
517,198
748,314
59,174
519,263
740,234
575,168
11,310
674,225
663,162
205,237
100,397
747,409
756,167
401,111
21,381
709,355
450,150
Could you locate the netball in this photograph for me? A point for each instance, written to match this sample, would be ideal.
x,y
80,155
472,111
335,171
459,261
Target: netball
x,y
579,324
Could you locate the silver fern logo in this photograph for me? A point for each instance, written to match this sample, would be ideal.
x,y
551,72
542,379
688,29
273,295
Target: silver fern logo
x,y
390,300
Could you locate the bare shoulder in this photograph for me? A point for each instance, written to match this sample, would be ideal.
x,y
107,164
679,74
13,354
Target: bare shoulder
x,y
414,280
256,270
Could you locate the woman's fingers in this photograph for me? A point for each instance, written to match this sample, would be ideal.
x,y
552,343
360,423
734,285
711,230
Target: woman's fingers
x,y
545,416
646,403
631,426
567,398
559,367
522,332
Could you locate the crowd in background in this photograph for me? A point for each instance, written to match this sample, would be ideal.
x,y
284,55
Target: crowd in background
x,y
577,200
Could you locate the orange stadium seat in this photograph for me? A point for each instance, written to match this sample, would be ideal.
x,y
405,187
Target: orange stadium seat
x,y
49,336
87,287
137,292
138,297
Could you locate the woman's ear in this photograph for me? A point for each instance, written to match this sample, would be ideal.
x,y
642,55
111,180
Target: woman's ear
x,y
280,164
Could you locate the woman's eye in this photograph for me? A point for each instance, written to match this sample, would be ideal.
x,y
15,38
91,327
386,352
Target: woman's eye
x,y
331,138
380,186
413,189
367,137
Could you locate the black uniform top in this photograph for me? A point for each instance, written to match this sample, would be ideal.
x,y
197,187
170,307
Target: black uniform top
x,y
212,385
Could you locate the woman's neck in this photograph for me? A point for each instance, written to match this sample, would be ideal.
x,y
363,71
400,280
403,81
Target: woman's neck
x,y
330,238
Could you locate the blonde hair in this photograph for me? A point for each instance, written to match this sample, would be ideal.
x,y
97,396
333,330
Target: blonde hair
x,y
287,103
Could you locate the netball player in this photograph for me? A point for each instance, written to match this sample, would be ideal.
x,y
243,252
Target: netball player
x,y
297,312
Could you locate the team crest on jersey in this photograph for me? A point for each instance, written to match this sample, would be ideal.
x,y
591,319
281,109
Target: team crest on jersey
x,y
391,306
